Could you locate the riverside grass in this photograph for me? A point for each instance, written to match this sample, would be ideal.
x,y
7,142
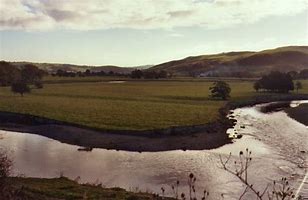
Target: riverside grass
x,y
131,105
63,188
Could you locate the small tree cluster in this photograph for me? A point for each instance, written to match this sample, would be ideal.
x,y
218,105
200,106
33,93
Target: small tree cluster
x,y
31,74
19,78
275,82
149,74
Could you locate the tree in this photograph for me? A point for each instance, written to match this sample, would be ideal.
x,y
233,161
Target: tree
x,y
298,86
137,74
220,89
8,73
20,87
150,74
30,74
87,72
276,82
257,86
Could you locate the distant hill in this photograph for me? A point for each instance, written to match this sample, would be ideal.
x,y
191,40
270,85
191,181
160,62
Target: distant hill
x,y
246,63
231,64
53,67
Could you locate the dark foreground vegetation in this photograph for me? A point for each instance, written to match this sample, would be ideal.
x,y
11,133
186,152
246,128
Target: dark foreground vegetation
x,y
64,188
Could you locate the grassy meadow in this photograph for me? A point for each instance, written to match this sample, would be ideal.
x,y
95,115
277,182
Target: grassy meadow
x,y
131,105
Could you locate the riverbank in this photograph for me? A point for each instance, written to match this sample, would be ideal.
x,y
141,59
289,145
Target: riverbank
x,y
64,188
299,113
148,142
199,137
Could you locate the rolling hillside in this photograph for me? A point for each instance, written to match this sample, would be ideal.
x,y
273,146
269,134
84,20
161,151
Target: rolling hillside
x,y
230,64
53,67
284,59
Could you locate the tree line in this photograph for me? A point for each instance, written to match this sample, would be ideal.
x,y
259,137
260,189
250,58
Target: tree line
x,y
149,74
19,78
64,73
135,74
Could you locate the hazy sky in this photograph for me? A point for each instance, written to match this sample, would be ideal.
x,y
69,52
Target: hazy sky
x,y
139,32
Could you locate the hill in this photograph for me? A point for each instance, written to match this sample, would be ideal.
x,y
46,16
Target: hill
x,y
246,63
53,67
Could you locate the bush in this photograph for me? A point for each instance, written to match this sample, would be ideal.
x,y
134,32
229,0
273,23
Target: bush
x,y
5,168
38,84
20,87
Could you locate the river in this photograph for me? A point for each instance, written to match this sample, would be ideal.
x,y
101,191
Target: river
x,y
278,143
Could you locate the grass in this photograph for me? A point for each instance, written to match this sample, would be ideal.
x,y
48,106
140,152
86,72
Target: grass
x,y
63,188
132,105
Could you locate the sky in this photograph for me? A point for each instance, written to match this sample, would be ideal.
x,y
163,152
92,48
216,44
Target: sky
x,y
141,32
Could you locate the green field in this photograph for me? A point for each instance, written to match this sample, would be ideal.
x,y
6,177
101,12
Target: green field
x,y
131,105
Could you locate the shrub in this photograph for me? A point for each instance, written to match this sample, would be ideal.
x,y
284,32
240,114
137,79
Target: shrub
x,y
5,168
20,87
38,84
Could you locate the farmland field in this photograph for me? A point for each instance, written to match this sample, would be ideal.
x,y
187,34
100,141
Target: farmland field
x,y
131,105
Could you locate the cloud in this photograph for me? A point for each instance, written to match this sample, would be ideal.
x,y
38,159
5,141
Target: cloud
x,y
139,14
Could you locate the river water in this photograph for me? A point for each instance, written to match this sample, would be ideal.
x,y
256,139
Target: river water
x,y
278,143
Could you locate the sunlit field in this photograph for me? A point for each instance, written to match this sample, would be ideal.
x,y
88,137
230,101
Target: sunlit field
x,y
131,105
